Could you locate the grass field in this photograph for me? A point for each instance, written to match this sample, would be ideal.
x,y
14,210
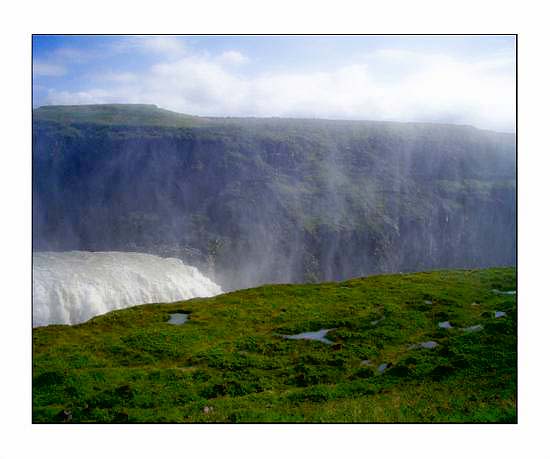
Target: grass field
x,y
230,363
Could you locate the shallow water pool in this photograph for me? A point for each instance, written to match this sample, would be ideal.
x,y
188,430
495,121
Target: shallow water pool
x,y
473,328
178,318
314,336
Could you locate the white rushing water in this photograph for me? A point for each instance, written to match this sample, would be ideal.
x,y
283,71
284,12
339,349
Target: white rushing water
x,y
72,287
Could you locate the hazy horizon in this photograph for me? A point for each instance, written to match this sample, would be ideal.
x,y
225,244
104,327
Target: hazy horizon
x,y
266,117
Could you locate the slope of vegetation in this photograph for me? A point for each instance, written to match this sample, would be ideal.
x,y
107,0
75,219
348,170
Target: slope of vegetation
x,y
231,363
113,115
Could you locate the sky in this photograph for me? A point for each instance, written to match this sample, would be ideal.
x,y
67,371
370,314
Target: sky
x,y
444,79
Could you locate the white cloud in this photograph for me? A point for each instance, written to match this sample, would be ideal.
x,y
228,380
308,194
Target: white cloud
x,y
57,62
119,77
47,69
72,54
162,46
93,96
389,84
233,57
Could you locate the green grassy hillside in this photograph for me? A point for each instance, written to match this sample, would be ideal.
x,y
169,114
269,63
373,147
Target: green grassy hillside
x,y
114,114
230,362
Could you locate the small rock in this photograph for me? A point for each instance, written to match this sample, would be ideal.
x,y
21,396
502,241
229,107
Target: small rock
x,y
445,324
366,362
207,409
428,302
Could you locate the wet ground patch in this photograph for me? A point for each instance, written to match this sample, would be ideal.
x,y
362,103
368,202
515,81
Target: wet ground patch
x,y
473,328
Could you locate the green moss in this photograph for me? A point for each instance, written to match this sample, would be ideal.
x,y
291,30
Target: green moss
x,y
131,366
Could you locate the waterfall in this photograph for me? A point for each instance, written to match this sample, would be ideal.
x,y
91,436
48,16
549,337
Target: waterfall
x,y
72,287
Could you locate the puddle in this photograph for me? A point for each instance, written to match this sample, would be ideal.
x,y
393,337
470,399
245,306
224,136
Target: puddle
x,y
501,292
382,367
424,345
445,324
473,328
178,318
314,336
499,314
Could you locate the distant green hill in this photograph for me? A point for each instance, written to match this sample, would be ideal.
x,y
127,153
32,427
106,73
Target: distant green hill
x,y
114,114
231,363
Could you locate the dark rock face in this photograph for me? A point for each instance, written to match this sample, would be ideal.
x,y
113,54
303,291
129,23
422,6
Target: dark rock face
x,y
272,200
